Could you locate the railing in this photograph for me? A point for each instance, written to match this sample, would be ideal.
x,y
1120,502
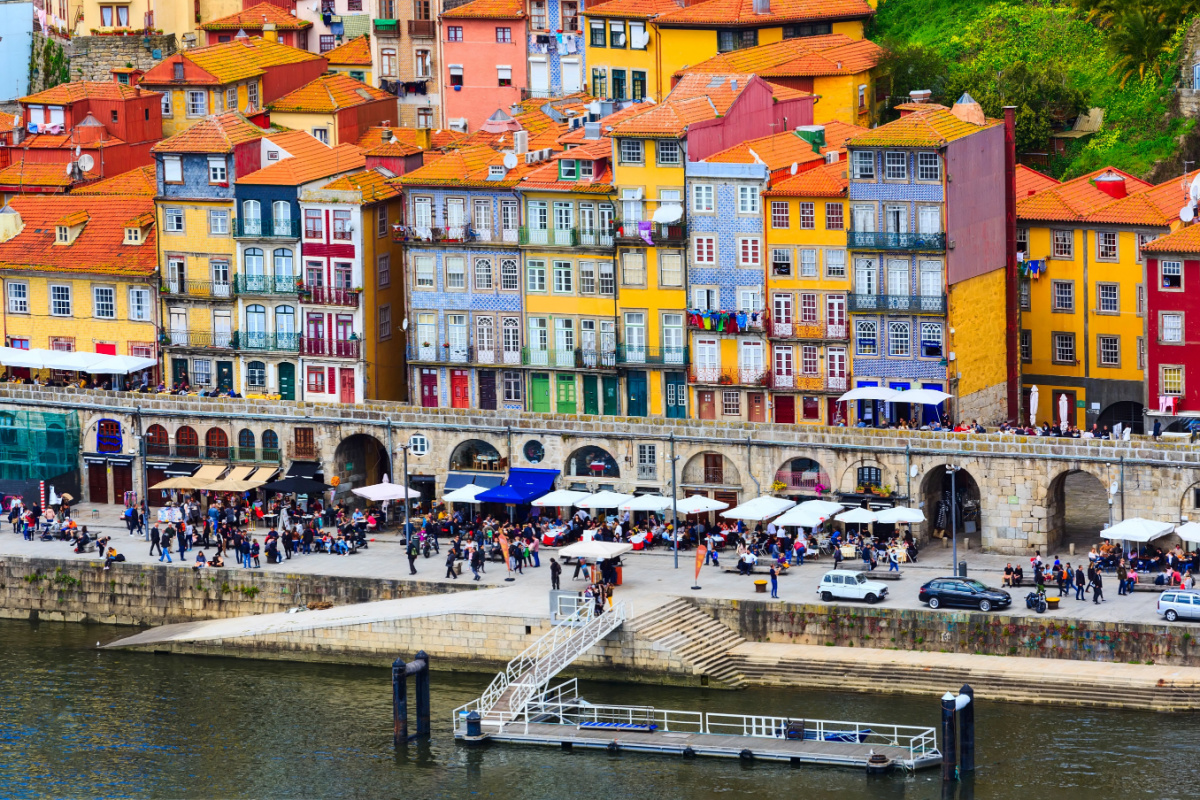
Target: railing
x,y
882,240
420,27
329,296
808,330
462,234
202,451
266,228
206,289
647,472
914,303
571,358
302,451
266,284
808,480
540,94
596,238
549,237
334,348
804,383
660,232
221,340
917,740
630,354
386,25
289,342
699,474
710,321
730,376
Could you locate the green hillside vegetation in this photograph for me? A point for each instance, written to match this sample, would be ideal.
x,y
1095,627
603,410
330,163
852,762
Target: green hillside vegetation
x,y
1052,60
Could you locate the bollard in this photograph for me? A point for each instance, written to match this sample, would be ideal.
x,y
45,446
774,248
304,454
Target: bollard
x,y
966,719
399,704
474,724
949,756
423,694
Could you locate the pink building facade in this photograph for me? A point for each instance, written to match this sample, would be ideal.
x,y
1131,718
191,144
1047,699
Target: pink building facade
x,y
483,60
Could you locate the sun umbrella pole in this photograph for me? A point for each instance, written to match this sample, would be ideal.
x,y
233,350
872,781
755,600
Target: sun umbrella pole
x,y
407,529
674,504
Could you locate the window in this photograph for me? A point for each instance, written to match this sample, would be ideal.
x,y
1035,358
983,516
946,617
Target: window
x,y
1027,346
216,171
835,219
512,387
616,33
862,163
1144,239
895,165
608,280
835,263
808,263
510,275
1141,352
1170,380
749,252
172,169
731,404
587,169
1025,295
166,104
503,35
1171,328
633,269
670,268
1106,245
808,308
504,76
454,33
564,277
618,83
256,374
1108,298
637,84
104,302
202,374
808,216
870,476
173,219
538,16
483,273
631,151
931,340
596,34
899,339
669,153
60,301
1023,240
456,75
252,94
218,223
341,225
535,275
424,63
1140,300
736,40
18,297
385,322
231,98
426,272
1172,274
1110,350
1064,296
1064,244
456,272
866,341
1064,348
197,103
425,117
316,378
387,61
928,167
600,78
587,277
781,261
568,169
748,200
702,198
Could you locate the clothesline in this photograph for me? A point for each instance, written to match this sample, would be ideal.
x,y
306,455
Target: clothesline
x,y
726,321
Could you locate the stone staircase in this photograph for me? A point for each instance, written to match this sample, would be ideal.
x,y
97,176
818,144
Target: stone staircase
x,y
694,637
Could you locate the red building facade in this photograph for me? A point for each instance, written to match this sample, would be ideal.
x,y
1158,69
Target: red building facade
x,y
1173,328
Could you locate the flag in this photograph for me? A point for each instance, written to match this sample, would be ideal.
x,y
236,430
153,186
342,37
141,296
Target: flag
x,y
504,549
701,552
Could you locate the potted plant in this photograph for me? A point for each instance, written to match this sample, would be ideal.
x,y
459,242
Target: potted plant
x,y
820,489
778,486
426,344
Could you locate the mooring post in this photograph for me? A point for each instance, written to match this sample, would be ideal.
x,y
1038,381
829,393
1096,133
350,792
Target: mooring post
x,y
949,756
399,704
423,694
966,721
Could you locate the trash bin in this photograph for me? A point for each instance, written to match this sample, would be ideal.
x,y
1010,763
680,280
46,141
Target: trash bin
x,y
962,569
474,724
760,586
620,575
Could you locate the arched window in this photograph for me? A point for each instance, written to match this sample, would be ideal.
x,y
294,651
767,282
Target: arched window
x,y
245,445
870,476
281,213
187,443
255,336
108,436
270,446
158,443
256,374
285,319
216,444
283,264
253,259
251,217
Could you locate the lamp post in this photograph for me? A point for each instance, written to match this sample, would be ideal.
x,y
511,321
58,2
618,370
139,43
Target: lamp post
x,y
407,529
953,521
674,504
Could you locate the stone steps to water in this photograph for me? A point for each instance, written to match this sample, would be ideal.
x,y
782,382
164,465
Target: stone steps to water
x,y
694,637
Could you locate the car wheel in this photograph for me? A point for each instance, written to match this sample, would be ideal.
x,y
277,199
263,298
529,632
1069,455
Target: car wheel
x,y
826,596
1171,615
985,605
871,598
934,602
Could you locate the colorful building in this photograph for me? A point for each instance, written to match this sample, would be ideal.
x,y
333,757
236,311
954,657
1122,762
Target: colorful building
x,y
555,50
353,58
334,108
408,61
483,64
1172,330
268,20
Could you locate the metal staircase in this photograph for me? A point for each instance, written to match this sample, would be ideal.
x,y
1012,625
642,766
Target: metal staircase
x,y
527,675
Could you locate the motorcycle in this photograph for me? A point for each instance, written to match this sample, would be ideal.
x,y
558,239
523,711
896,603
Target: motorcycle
x,y
1036,601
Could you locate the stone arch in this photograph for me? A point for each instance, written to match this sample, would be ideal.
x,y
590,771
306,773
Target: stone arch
x,y
591,461
187,442
216,444
108,436
158,442
864,469
476,455
1077,508
801,474
361,460
710,468
270,445
934,493
1127,412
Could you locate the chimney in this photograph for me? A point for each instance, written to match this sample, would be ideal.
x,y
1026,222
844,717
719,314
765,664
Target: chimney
x,y
1111,184
762,6
591,130
10,223
966,109
269,33
920,95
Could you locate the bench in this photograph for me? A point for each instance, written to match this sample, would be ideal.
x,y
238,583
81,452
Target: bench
x,y
757,571
635,727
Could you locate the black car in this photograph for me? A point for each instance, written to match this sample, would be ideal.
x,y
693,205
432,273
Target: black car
x,y
963,592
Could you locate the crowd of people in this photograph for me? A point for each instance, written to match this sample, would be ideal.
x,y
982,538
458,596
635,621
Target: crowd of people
x,y
1174,567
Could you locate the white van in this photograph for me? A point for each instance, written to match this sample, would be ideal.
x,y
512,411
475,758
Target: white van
x,y
848,584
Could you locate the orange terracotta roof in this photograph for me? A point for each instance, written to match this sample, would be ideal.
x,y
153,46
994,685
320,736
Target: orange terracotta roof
x,y
918,106
721,88
298,144
225,63
61,141
1075,199
781,92
488,9
1134,209
67,93
329,93
668,119
833,54
1171,195
354,53
827,180
576,135
545,178
1030,181
632,9
741,12
143,220
933,128
373,184
36,175
216,134
1184,240
307,164
253,19
780,150
140,182
467,167
439,138
99,248
594,149
542,129
73,218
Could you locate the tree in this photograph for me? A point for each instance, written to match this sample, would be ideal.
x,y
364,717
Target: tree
x,y
1044,97
1136,39
912,67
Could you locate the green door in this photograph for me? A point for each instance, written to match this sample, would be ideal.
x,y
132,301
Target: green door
x,y
612,405
565,394
225,375
287,381
179,370
591,395
676,395
636,401
539,392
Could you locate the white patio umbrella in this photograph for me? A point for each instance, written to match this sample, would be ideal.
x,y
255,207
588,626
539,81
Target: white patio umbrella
x,y
601,500
16,357
647,502
825,507
858,516
121,365
78,362
800,517
595,550
464,494
899,514
560,498
1189,531
699,504
925,397
869,393
1138,529
1033,405
386,491
759,508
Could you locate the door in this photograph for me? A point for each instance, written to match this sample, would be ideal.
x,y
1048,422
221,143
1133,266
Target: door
x,y
539,392
460,389
539,75
708,409
122,481
487,389
714,468
785,408
429,388
591,395
835,363
98,483
225,376
866,408
729,498
564,394
930,413
676,395
897,411
346,381
287,381
835,316
636,389
756,407
155,476
612,403
179,370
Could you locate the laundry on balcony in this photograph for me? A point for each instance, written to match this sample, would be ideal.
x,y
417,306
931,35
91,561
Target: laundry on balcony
x,y
1033,269
415,87
726,321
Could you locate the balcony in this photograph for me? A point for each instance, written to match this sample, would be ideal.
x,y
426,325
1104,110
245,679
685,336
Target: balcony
x,y
204,290
711,321
647,472
806,383
329,296
630,354
266,284
549,237
808,330
899,303
302,451
220,340
660,233
387,26
421,27
596,238
882,240
462,234
571,358
266,229
806,481
331,348
730,376
283,342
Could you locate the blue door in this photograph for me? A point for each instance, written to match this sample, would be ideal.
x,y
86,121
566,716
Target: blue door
x,y
866,408
931,413
898,411
635,388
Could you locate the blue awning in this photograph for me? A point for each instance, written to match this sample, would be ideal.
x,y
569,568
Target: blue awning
x,y
523,485
457,480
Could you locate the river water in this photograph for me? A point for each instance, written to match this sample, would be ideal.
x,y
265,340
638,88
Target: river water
x,y
78,722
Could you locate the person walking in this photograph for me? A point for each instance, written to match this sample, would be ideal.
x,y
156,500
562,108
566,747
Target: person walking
x,y
1122,577
774,583
450,564
1079,583
414,550
894,561
1097,588
181,541
534,546
555,573
155,540
164,548
476,561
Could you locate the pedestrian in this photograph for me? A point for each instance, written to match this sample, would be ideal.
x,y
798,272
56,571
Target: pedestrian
x,y
774,583
580,566
1157,430
555,573
476,561
164,550
1079,583
1097,588
1122,577
533,551
155,539
254,553
450,573
413,551
894,561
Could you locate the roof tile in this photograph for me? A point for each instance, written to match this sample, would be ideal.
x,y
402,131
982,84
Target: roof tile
x,y
36,175
468,167
67,93
255,17
140,182
354,53
373,184
99,248
935,127
487,9
1184,240
1074,200
216,134
227,62
307,162
1030,181
741,12
833,54
827,180
329,93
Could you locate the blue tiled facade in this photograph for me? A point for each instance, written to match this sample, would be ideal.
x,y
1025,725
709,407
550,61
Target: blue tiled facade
x,y
196,185
727,226
557,46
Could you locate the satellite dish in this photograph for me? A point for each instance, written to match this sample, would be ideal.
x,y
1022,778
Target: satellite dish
x,y
510,161
912,471
404,324
86,162
795,167
1194,190
642,40
1113,488
77,151
1187,214
70,168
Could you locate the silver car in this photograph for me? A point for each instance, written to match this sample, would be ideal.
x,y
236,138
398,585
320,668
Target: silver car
x,y
1176,603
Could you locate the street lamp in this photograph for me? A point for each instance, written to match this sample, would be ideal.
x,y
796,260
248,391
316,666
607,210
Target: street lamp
x,y
674,503
407,529
953,521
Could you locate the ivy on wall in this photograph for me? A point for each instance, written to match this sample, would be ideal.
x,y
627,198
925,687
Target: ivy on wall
x,y
49,65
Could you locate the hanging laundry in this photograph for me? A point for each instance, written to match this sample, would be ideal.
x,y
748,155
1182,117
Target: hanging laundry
x,y
742,319
644,230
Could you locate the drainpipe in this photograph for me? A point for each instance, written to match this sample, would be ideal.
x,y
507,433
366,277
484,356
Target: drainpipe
x,y
391,453
1121,488
908,472
1012,286
508,434
750,466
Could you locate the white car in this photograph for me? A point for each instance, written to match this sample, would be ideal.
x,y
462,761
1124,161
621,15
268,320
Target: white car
x,y
848,584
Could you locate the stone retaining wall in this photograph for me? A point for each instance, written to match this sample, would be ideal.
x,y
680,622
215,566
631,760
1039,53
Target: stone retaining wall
x,y
93,58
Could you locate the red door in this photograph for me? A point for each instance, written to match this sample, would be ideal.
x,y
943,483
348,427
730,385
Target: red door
x,y
785,408
756,407
429,388
347,381
708,407
156,497
460,389
122,481
98,483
